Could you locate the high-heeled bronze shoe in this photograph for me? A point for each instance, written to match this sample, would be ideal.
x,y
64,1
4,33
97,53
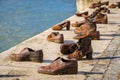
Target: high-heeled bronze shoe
x,y
60,26
85,49
60,66
56,37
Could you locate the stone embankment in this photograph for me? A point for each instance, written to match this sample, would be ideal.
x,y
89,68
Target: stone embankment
x,y
104,66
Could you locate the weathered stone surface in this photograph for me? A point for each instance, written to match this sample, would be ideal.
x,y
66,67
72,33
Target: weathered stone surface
x,y
104,65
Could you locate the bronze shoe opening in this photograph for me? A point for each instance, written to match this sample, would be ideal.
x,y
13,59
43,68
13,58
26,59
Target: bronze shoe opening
x,y
56,37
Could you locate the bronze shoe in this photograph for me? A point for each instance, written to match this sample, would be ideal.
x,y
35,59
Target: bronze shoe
x,y
112,6
85,49
83,14
56,37
60,26
105,3
28,54
95,5
60,66
88,26
101,18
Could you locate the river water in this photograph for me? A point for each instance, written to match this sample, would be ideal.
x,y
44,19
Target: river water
x,y
22,19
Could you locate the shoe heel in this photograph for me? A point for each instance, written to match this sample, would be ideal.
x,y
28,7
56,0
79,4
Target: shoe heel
x,y
67,25
68,28
89,56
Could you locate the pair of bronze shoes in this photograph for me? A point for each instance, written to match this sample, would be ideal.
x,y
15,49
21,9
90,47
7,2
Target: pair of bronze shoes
x,y
87,30
28,54
75,51
56,37
60,26
78,50
98,4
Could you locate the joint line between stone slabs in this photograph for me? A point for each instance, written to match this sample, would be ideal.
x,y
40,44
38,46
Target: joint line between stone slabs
x,y
112,58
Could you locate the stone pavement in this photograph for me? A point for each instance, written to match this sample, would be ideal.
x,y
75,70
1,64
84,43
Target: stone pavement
x,y
104,66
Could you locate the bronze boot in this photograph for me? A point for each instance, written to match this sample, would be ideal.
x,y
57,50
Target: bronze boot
x,y
36,56
56,37
22,56
85,49
60,26
60,66
101,18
